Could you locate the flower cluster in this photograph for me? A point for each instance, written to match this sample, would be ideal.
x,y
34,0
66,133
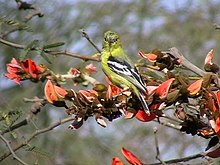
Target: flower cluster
x,y
22,70
171,87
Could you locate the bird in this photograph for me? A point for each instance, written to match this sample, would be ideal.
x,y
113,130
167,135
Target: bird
x,y
120,70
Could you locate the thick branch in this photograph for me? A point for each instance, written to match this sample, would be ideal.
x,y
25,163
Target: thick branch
x,y
36,133
11,150
176,53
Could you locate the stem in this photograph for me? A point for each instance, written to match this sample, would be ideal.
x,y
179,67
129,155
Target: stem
x,y
36,133
11,150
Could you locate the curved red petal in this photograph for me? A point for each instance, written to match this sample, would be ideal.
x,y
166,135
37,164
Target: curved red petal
x,y
116,161
149,56
195,87
218,99
209,57
142,116
163,88
50,92
60,92
130,157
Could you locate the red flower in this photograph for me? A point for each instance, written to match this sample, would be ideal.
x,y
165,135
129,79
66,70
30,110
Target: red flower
x,y
218,99
142,116
14,71
88,95
117,161
163,88
149,56
74,71
131,158
209,57
19,71
34,70
112,89
90,69
195,87
54,93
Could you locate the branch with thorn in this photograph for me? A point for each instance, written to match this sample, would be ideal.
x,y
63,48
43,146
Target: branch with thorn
x,y
11,151
35,134
35,109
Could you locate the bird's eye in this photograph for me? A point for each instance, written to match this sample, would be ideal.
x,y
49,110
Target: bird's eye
x,y
105,39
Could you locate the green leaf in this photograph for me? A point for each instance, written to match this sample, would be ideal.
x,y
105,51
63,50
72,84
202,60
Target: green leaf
x,y
33,44
14,135
38,151
45,57
18,24
53,45
23,54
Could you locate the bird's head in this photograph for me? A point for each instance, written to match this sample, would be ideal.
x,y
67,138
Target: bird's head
x,y
111,40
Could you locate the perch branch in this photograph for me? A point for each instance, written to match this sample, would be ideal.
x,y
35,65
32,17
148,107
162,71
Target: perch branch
x,y
67,53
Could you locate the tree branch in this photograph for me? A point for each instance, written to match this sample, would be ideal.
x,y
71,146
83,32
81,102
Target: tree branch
x,y
84,34
34,110
67,53
157,147
177,54
36,133
11,44
11,150
22,5
185,159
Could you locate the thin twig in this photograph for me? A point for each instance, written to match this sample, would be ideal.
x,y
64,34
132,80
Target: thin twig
x,y
157,148
185,159
11,44
22,5
3,35
36,133
67,53
35,109
11,150
168,124
84,34
171,118
216,26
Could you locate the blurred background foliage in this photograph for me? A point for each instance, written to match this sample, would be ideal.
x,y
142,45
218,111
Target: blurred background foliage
x,y
142,25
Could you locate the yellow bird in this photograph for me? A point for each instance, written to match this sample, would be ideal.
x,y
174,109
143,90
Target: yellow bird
x,y
119,69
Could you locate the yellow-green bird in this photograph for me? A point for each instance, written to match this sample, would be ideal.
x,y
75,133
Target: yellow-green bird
x,y
119,69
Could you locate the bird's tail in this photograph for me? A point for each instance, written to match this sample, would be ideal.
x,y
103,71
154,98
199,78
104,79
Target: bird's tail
x,y
144,104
